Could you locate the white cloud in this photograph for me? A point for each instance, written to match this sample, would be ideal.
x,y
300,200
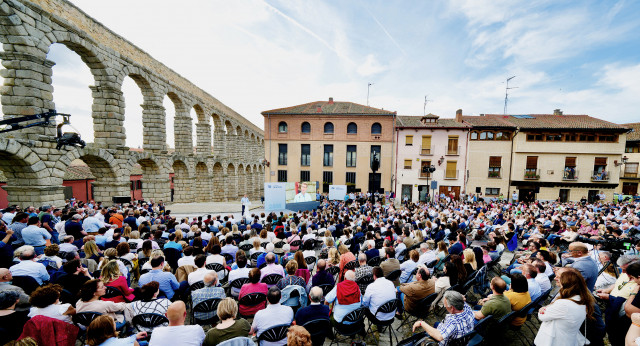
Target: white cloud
x,y
371,66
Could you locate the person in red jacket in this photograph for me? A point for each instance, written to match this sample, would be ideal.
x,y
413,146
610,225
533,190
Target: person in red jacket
x,y
112,277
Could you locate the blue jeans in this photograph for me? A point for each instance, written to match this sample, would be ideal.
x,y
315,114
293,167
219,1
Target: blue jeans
x,y
39,250
552,238
54,237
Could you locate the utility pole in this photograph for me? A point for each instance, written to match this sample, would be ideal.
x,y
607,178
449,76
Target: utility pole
x,y
424,110
506,93
368,87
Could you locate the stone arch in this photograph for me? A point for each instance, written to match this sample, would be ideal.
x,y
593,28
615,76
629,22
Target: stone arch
x,y
203,182
110,179
231,183
155,178
153,115
28,179
218,178
182,131
182,188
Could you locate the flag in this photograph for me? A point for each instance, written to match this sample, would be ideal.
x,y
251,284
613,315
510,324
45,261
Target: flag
x,y
513,243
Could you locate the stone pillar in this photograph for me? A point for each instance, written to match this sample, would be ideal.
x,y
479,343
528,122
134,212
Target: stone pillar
x,y
153,123
231,191
203,133
230,147
156,188
104,190
182,189
182,131
27,90
108,116
25,195
219,150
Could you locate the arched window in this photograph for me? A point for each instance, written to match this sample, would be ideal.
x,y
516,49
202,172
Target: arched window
x,y
306,127
376,129
490,135
282,127
328,127
352,128
474,135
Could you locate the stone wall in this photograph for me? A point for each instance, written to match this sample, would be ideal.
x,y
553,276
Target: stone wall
x,y
34,168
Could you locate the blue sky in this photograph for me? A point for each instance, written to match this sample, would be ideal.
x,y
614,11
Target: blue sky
x,y
580,56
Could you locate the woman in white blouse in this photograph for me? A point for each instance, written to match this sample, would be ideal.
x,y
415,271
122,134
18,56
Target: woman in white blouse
x,y
562,319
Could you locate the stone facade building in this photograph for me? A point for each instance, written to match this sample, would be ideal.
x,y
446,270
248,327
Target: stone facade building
x,y
544,156
330,142
629,177
430,141
228,150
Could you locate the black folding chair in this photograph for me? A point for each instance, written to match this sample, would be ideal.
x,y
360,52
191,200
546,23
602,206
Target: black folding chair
x,y
206,306
388,307
374,261
273,334
148,321
27,283
295,243
217,267
271,279
252,299
480,331
238,283
394,275
364,281
421,310
326,288
354,325
318,329
246,247
133,246
310,260
113,292
351,265
228,258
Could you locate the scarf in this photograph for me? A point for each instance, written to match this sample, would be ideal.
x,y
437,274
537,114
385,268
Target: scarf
x,y
348,292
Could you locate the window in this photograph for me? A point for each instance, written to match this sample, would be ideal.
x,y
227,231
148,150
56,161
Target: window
x,y
305,155
569,172
495,164
474,135
532,162
631,169
607,138
534,137
407,164
531,168
452,145
408,140
425,149
376,129
306,127
451,172
424,165
282,154
587,138
483,136
351,155
328,155
570,138
327,179
375,153
282,176
305,175
554,138
328,127
490,136
132,185
351,178
502,136
492,191
282,127
139,184
352,128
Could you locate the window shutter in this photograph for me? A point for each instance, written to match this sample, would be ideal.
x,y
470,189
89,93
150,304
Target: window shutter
x,y
600,161
495,161
532,162
426,142
569,161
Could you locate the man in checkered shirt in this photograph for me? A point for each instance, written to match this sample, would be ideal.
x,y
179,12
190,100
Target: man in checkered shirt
x,y
456,324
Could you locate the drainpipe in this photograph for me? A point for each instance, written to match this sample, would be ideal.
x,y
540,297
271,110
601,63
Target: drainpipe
x,y
269,121
466,159
393,142
511,166
396,158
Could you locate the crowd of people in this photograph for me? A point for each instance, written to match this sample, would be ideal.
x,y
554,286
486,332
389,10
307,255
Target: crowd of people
x,y
455,270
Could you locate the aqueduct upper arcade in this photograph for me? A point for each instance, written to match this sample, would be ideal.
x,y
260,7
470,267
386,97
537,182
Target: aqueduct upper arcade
x,y
228,150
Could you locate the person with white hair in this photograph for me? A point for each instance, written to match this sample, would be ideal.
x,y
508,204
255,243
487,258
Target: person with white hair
x,y
346,296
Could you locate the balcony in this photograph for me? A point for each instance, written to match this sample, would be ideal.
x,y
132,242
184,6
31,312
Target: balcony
x,y
531,174
494,175
452,175
570,174
600,176
424,175
453,150
426,151
630,175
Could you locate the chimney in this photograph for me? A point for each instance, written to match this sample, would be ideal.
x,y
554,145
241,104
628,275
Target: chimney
x,y
557,112
330,100
459,115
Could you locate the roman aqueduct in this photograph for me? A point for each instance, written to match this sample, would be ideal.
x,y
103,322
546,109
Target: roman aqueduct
x,y
224,165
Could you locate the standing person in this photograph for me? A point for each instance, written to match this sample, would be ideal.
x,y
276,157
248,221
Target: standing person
x,y
562,319
245,203
49,220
